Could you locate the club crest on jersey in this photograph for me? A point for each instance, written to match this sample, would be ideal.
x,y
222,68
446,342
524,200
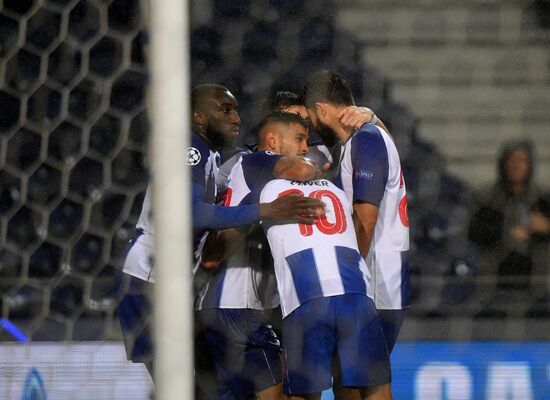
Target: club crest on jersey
x,y
193,156
363,174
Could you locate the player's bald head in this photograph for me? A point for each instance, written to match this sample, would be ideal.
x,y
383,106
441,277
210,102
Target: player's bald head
x,y
203,92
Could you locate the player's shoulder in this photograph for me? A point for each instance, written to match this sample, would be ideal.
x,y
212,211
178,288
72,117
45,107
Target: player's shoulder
x,y
369,133
233,153
260,159
370,138
260,155
199,151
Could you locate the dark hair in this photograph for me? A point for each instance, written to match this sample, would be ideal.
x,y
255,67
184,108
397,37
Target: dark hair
x,y
507,149
327,87
284,118
202,90
279,101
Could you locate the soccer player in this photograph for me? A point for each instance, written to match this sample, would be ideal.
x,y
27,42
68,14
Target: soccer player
x,y
351,117
232,305
323,287
215,121
370,173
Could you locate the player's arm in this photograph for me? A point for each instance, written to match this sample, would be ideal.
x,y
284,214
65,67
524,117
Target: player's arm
x,y
286,208
365,216
355,117
219,245
370,174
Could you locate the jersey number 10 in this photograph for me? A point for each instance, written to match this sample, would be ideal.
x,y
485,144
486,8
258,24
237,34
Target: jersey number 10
x,y
323,225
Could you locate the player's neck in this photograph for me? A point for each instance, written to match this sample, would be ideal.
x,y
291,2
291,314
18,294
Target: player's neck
x,y
207,140
343,133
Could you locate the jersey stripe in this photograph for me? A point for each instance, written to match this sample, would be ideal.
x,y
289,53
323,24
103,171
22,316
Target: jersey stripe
x,y
304,275
348,265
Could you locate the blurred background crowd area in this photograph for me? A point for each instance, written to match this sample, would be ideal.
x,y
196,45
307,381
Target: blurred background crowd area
x,y
464,88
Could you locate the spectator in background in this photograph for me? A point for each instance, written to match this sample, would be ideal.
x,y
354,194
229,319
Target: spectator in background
x,y
542,12
539,246
499,224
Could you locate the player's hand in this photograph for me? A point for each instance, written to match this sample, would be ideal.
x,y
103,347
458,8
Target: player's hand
x,y
293,208
538,223
353,117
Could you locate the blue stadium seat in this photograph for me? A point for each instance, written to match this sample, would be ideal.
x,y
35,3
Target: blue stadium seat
x,y
46,261
65,220
260,44
231,9
67,297
87,254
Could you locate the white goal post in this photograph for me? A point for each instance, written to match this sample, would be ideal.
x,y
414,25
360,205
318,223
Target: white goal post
x,y
169,105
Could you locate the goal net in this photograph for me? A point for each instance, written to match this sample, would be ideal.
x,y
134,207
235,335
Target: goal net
x,y
74,162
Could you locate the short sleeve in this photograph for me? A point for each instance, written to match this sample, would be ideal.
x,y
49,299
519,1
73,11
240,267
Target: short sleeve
x,y
369,158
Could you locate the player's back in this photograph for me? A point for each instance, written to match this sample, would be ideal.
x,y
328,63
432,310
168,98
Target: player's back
x,y
319,260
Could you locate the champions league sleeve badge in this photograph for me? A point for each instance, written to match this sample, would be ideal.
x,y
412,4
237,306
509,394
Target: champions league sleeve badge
x,y
193,156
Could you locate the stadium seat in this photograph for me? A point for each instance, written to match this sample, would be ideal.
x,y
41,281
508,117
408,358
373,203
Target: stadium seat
x,y
316,39
260,44
287,8
24,228
44,184
105,56
46,261
87,254
205,46
67,298
44,108
124,15
11,265
231,9
9,29
10,192
86,178
65,220
23,70
24,302
10,112
84,22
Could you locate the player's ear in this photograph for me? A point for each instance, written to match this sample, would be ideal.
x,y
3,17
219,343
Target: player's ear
x,y
271,140
321,109
198,117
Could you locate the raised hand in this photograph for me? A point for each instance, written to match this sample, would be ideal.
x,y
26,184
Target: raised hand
x,y
354,117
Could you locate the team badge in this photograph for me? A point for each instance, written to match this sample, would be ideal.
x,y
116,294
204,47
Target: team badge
x,y
193,156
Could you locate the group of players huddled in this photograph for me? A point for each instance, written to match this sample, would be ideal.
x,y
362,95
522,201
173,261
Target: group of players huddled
x,y
315,247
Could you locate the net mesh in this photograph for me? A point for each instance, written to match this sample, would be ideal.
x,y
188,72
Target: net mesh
x,y
73,133
73,161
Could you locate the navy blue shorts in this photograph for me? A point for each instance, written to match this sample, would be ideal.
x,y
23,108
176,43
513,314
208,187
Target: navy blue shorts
x,y
346,327
391,321
245,349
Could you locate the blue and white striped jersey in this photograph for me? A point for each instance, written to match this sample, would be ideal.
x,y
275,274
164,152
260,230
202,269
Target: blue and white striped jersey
x,y
320,260
370,172
246,279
